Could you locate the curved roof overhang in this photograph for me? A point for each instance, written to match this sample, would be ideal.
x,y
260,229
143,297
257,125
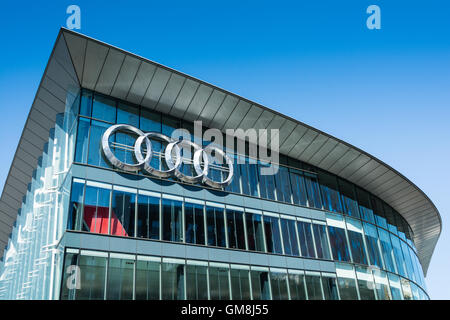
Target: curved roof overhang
x,y
78,60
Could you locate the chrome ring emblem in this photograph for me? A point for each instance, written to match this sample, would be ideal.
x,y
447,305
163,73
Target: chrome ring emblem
x,y
172,156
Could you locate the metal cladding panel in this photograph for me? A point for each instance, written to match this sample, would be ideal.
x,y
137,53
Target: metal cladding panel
x,y
224,111
141,82
237,115
184,98
287,145
156,88
318,141
98,66
276,124
338,152
170,93
93,63
354,165
303,144
286,130
110,71
77,47
320,155
198,102
127,73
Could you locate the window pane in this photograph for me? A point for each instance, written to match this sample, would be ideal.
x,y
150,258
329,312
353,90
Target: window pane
x,y
266,182
394,284
147,280
365,283
93,273
330,193
398,255
338,238
355,237
346,282
382,285
407,258
278,281
297,286
195,223
312,190
215,226
95,156
365,207
406,288
236,230
306,239
148,217
283,186
349,203
196,282
172,281
86,103
123,213
172,226
104,109
313,286
372,245
81,149
255,236
96,210
260,285
120,279
330,290
70,259
273,238
219,285
298,187
240,284
76,206
235,185
150,120
128,114
321,239
289,237
386,250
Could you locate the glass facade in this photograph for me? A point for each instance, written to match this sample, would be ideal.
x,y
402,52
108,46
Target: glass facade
x,y
300,212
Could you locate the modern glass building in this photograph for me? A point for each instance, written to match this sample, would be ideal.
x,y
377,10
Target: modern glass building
x,y
332,222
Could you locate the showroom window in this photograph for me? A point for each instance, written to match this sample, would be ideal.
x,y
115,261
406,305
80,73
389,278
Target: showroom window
x,y
260,283
147,278
396,289
305,238
235,227
312,190
93,275
272,232
104,108
196,280
95,153
349,203
289,232
382,285
255,233
373,248
279,284
215,224
172,219
330,290
240,282
172,279
330,194
219,282
298,187
297,287
346,282
96,207
120,277
321,240
386,250
195,221
123,210
76,205
283,186
313,285
356,240
338,237
148,215
365,283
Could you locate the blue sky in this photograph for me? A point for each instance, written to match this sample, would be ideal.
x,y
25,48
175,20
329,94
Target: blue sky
x,y
385,91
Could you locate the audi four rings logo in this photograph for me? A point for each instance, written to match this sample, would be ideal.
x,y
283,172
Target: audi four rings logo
x,y
173,165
